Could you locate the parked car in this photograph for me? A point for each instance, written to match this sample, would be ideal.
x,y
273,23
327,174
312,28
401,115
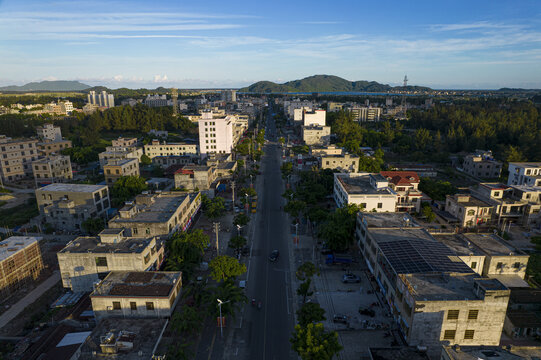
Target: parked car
x,y
274,255
341,319
350,278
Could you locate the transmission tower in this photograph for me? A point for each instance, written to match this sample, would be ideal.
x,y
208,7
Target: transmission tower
x,y
174,97
404,105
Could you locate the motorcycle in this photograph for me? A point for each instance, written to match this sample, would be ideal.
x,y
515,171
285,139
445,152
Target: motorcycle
x,y
259,305
253,302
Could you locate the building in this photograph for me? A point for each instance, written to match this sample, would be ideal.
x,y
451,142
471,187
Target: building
x,y
170,149
87,258
115,169
102,99
216,135
315,117
62,108
53,168
95,196
195,177
343,163
119,153
229,95
421,170
172,160
156,101
482,164
20,262
137,294
330,150
397,353
511,352
370,191
524,173
65,215
334,106
406,186
49,132
434,296
124,142
16,158
90,108
298,113
159,133
157,214
468,211
47,148
316,135
365,113
523,319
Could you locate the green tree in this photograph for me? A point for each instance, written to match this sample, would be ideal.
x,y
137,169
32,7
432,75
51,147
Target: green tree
x,y
304,289
241,219
295,208
213,208
312,342
93,225
310,313
339,228
422,138
287,169
428,213
126,187
188,320
247,191
281,140
232,297
306,271
195,237
225,267
237,242
183,257
145,160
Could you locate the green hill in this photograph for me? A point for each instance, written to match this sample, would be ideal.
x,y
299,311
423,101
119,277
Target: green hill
x,y
60,85
325,83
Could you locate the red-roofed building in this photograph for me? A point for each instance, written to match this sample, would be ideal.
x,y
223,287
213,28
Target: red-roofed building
x,y
405,184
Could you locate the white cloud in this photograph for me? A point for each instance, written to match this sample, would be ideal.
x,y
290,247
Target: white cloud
x,y
160,78
118,77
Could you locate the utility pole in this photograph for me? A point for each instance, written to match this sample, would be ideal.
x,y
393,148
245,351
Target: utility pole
x,y
216,231
233,193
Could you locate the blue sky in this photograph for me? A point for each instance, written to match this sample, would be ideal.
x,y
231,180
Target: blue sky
x,y
443,44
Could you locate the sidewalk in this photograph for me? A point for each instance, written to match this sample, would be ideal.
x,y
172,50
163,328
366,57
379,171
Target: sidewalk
x,y
32,296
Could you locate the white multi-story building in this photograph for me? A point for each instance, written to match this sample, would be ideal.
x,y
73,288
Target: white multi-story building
x,y
524,173
229,95
316,135
482,164
298,113
169,149
102,99
366,113
370,191
315,117
156,100
49,132
53,168
406,185
16,157
119,153
216,135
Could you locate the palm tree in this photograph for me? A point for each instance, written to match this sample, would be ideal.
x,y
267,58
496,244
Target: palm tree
x,y
226,291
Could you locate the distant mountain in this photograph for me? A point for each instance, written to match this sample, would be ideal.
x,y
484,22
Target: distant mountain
x,y
325,83
60,85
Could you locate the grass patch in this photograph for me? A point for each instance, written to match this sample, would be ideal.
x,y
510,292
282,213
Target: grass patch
x,y
19,215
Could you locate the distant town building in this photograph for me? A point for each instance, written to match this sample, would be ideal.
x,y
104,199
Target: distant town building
x,y
159,133
47,148
172,160
192,177
94,196
102,99
366,113
316,135
229,95
157,148
156,100
524,173
482,164
115,169
343,163
420,169
49,132
329,150
16,156
20,262
61,108
131,294
370,191
119,153
298,113
315,117
124,142
334,106
53,168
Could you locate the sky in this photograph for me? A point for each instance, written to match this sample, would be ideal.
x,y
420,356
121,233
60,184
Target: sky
x,y
474,44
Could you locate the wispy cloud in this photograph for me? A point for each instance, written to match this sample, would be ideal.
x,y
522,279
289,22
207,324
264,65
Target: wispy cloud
x,y
479,25
322,22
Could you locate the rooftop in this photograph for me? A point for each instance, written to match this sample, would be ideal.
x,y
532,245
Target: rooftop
x,y
495,186
401,177
397,353
526,164
138,283
360,184
120,162
460,245
15,244
492,352
387,220
491,244
58,187
469,200
160,209
93,244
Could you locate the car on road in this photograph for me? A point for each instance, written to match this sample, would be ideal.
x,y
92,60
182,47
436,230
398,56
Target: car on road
x,y
274,255
339,318
350,278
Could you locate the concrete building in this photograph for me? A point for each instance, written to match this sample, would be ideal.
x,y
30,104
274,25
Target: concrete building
x,y
192,177
298,113
433,295
420,169
216,135
343,163
20,262
49,132
524,173
366,113
102,99
87,258
53,168
115,169
330,150
157,214
65,215
16,158
119,153
370,191
124,142
156,100
468,210
47,148
131,294
316,135
482,164
94,196
406,186
170,149
523,319
62,108
334,106
315,117
172,160
90,108
229,95
511,352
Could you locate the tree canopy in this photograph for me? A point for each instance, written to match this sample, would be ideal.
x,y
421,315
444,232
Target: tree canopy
x,y
225,267
126,187
312,342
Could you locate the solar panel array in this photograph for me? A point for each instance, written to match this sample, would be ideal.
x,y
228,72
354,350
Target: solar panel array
x,y
421,256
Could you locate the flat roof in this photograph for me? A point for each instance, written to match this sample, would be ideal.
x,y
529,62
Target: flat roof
x,y
58,187
14,244
493,352
138,283
361,185
491,244
526,164
397,353
387,220
459,245
159,210
472,200
119,162
92,244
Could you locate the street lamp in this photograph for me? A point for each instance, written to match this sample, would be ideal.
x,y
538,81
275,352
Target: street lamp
x,y
220,303
251,184
297,234
238,229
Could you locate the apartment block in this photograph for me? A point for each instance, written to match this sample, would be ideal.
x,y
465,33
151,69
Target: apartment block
x,y
156,100
406,186
115,169
49,132
157,214
343,163
370,191
482,164
94,196
524,173
523,319
16,156
330,150
101,99
366,113
314,117
124,142
229,95
20,262
156,148
53,168
316,135
467,210
61,108
298,113
87,258
216,135
135,294
119,153
47,148
192,177
172,160
65,215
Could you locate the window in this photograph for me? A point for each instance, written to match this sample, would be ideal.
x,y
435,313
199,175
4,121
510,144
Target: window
x,y
471,212
516,265
133,305
380,205
101,261
499,266
452,315
468,334
116,305
449,335
147,258
472,314
474,265
150,305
